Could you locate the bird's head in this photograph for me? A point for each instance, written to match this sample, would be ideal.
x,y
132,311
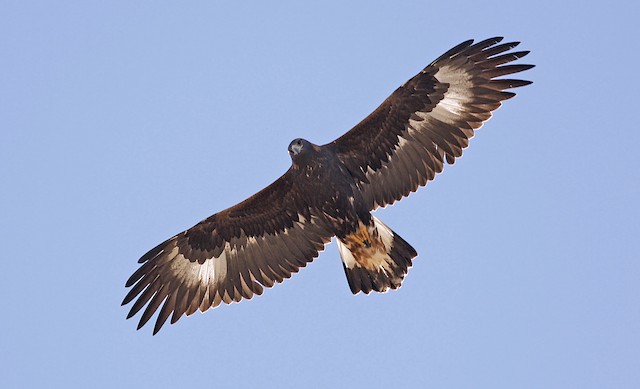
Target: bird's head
x,y
298,146
301,150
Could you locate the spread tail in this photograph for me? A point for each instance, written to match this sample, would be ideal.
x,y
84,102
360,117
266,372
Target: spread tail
x,y
375,258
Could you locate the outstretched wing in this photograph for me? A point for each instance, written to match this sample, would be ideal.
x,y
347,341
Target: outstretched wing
x,y
228,256
405,142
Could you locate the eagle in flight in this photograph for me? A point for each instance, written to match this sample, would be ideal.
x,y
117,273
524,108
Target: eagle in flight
x,y
331,190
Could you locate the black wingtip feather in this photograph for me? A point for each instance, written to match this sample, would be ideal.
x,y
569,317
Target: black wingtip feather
x,y
521,54
131,314
502,84
502,59
455,50
138,274
497,49
156,250
506,95
506,69
482,45
165,312
153,305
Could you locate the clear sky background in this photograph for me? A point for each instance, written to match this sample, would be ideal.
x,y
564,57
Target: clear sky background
x,y
123,123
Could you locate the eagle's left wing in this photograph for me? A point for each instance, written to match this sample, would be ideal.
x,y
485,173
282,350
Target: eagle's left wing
x,y
405,142
230,255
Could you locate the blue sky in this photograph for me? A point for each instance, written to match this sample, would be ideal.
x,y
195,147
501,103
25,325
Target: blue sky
x,y
123,124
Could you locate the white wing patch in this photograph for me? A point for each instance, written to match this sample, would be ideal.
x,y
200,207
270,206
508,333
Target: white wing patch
x,y
460,83
211,270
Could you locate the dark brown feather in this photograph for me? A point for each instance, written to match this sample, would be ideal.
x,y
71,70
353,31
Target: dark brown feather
x,y
229,256
435,112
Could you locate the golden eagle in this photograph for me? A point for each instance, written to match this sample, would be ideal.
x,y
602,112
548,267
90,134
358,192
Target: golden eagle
x,y
330,190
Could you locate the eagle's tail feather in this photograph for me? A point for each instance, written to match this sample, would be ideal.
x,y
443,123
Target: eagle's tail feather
x,y
375,258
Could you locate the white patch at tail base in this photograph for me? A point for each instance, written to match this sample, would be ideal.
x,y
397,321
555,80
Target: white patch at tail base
x,y
379,259
345,254
385,233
